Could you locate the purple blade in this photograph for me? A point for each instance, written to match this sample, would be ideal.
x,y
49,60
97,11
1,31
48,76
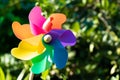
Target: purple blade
x,y
66,37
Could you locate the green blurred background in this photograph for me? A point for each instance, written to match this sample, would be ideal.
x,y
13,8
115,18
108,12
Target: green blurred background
x,y
96,25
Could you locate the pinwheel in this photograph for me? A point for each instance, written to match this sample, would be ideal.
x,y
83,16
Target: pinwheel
x,y
43,41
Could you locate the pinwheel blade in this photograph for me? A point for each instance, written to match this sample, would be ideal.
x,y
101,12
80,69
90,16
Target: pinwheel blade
x,y
43,61
29,48
54,21
48,51
21,31
39,66
58,20
36,20
66,37
60,54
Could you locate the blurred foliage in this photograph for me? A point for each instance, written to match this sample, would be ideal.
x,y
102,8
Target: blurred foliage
x,y
96,24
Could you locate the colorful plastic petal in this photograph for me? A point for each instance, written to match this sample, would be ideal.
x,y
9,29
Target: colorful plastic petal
x,y
39,66
47,26
43,61
60,54
21,31
29,48
36,20
66,37
54,21
42,64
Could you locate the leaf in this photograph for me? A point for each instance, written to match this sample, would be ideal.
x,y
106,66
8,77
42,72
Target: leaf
x,y
90,31
75,27
113,36
8,75
2,75
115,77
84,1
118,50
113,69
91,47
1,21
26,77
105,3
45,74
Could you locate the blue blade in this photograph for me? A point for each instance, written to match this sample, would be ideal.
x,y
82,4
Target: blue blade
x,y
60,54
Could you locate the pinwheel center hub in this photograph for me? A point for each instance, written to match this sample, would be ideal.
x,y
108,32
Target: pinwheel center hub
x,y
47,38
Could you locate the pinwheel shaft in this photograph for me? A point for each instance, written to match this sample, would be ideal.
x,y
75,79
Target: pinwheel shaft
x,y
31,76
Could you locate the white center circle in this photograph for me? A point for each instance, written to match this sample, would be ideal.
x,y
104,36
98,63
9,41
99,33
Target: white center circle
x,y
47,38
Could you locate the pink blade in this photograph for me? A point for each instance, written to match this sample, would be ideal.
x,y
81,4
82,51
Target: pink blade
x,y
36,20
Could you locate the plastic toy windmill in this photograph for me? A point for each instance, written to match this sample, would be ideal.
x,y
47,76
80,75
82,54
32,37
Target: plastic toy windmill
x,y
43,41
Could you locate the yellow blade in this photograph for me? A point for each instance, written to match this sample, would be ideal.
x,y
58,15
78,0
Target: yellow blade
x,y
29,48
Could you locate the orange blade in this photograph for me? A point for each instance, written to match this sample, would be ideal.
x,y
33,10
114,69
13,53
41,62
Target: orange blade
x,y
54,21
29,48
21,31
58,20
